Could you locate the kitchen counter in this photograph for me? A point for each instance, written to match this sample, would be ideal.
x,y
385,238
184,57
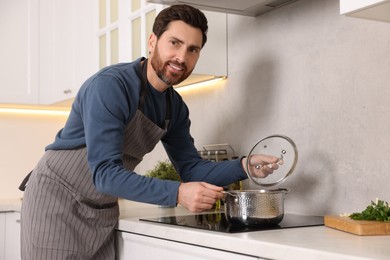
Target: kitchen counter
x,y
10,205
296,243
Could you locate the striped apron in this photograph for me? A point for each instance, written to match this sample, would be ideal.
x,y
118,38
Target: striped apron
x,y
63,216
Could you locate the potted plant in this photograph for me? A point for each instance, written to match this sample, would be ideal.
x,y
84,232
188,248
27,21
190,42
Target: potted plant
x,y
164,170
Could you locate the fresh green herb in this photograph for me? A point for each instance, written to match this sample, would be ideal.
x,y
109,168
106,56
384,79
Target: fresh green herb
x,y
165,171
378,210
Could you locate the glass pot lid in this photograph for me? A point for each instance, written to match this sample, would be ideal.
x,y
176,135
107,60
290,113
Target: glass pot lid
x,y
279,146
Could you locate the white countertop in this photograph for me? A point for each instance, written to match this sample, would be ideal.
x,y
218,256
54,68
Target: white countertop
x,y
295,243
10,204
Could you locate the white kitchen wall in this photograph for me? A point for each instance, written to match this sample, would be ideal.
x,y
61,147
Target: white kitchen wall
x,y
303,71
22,140
320,78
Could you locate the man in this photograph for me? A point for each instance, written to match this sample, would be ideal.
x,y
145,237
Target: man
x,y
70,205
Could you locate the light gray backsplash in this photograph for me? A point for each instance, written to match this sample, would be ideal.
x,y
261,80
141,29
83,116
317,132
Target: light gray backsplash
x,y
320,78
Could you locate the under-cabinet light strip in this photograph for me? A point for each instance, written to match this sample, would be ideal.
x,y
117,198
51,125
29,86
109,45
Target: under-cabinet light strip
x,y
201,84
59,112
34,111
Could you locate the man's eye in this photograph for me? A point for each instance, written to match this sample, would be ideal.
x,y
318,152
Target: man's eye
x,y
194,50
174,43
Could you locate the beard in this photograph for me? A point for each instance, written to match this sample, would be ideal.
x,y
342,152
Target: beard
x,y
162,72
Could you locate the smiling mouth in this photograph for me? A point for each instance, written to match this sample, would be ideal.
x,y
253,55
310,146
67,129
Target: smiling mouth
x,y
176,66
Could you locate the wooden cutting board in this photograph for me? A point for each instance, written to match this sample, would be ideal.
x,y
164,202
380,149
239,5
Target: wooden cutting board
x,y
358,227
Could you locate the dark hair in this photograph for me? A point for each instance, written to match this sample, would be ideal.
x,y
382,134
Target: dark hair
x,y
185,13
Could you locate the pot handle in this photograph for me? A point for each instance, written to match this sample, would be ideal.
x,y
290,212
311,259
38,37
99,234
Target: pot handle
x,y
227,192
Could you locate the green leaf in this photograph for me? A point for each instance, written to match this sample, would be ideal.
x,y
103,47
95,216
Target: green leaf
x,y
379,211
164,170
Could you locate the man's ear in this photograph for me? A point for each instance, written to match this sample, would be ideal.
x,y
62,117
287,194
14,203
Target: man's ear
x,y
152,42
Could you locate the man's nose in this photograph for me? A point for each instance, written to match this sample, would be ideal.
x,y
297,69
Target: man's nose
x,y
181,55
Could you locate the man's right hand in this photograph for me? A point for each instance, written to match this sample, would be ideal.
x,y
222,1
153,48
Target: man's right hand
x,y
198,196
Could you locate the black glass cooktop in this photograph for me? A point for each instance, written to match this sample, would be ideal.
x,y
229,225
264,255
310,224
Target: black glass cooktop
x,y
218,222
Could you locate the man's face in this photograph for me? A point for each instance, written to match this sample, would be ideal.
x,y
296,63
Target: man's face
x,y
174,55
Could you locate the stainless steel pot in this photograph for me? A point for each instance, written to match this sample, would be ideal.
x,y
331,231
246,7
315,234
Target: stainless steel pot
x,y
255,207
263,207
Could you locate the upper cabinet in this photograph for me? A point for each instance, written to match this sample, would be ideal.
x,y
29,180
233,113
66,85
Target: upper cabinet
x,y
19,48
378,10
67,47
48,49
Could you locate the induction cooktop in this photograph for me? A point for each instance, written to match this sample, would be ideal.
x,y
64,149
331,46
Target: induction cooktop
x,y
218,222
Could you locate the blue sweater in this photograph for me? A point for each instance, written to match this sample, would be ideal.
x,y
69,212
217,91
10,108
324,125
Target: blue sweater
x,y
104,106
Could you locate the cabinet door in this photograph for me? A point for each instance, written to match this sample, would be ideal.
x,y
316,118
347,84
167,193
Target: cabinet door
x,y
68,53
133,246
12,234
19,51
2,235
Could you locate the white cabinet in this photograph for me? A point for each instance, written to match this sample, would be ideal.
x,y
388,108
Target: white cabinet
x,y
2,235
133,246
378,10
48,49
19,51
10,236
67,49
